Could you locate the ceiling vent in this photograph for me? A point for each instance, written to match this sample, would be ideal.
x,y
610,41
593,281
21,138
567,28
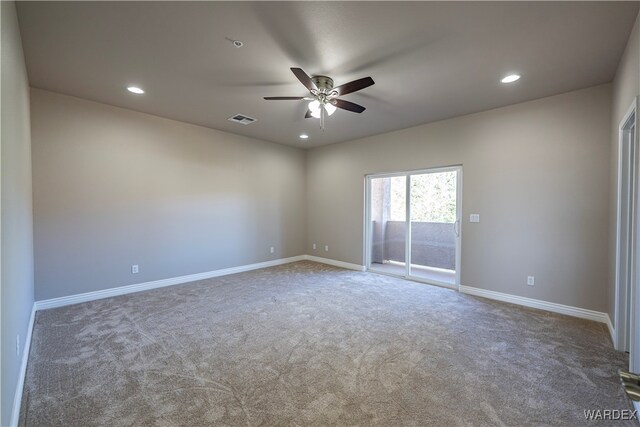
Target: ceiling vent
x,y
243,120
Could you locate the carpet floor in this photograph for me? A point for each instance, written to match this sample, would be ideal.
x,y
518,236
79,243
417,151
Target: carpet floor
x,y
309,344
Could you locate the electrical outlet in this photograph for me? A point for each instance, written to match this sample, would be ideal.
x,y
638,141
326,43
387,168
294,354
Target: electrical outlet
x,y
326,248
315,247
272,249
134,269
531,280
18,345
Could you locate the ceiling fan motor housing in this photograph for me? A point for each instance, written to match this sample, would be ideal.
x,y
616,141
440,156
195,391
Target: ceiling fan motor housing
x,y
323,83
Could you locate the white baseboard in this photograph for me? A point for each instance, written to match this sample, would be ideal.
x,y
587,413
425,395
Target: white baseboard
x,y
582,313
138,287
612,332
335,263
17,397
122,290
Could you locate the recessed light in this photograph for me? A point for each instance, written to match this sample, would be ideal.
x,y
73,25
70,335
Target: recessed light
x,y
510,78
304,136
135,89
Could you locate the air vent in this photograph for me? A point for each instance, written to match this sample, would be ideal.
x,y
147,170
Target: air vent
x,y
243,120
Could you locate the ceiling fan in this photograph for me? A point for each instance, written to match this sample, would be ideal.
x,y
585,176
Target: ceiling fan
x,y
323,96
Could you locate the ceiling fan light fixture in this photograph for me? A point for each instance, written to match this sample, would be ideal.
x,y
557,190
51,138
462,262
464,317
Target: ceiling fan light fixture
x,y
314,107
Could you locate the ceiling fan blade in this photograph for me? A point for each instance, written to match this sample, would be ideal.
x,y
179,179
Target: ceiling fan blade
x,y
283,98
304,79
346,105
354,86
308,114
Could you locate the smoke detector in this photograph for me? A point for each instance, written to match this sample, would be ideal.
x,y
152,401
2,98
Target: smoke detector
x,y
242,119
236,43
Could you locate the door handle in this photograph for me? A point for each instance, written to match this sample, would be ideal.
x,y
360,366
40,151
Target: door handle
x,y
456,227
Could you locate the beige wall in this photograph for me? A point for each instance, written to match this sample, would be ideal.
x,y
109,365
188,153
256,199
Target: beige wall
x,y
536,172
626,86
113,188
16,221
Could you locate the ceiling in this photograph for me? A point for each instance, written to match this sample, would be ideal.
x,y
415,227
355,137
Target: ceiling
x,y
430,60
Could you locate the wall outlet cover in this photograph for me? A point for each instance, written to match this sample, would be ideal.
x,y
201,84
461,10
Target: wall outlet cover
x,y
134,269
531,281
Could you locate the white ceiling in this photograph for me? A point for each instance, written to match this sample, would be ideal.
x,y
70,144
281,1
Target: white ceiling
x,y
430,61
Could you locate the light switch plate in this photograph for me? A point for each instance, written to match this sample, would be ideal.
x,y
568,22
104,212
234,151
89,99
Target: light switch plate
x,y
474,218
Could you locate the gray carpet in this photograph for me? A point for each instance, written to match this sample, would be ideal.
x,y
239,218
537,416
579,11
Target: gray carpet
x,y
310,344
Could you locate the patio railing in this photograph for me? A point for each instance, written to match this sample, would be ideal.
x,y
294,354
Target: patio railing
x,y
432,243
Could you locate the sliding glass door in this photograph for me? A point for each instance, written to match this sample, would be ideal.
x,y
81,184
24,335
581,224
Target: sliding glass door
x,y
388,210
413,227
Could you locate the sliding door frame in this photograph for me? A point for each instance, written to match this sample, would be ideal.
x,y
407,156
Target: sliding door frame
x,y
368,230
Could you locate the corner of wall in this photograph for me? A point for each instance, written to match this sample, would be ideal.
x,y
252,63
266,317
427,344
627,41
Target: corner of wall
x,y
16,248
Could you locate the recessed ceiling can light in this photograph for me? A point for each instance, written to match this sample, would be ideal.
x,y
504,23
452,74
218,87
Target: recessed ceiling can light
x,y
510,78
135,89
304,136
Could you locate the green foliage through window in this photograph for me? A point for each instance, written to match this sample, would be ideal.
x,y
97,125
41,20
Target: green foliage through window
x,y
433,197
